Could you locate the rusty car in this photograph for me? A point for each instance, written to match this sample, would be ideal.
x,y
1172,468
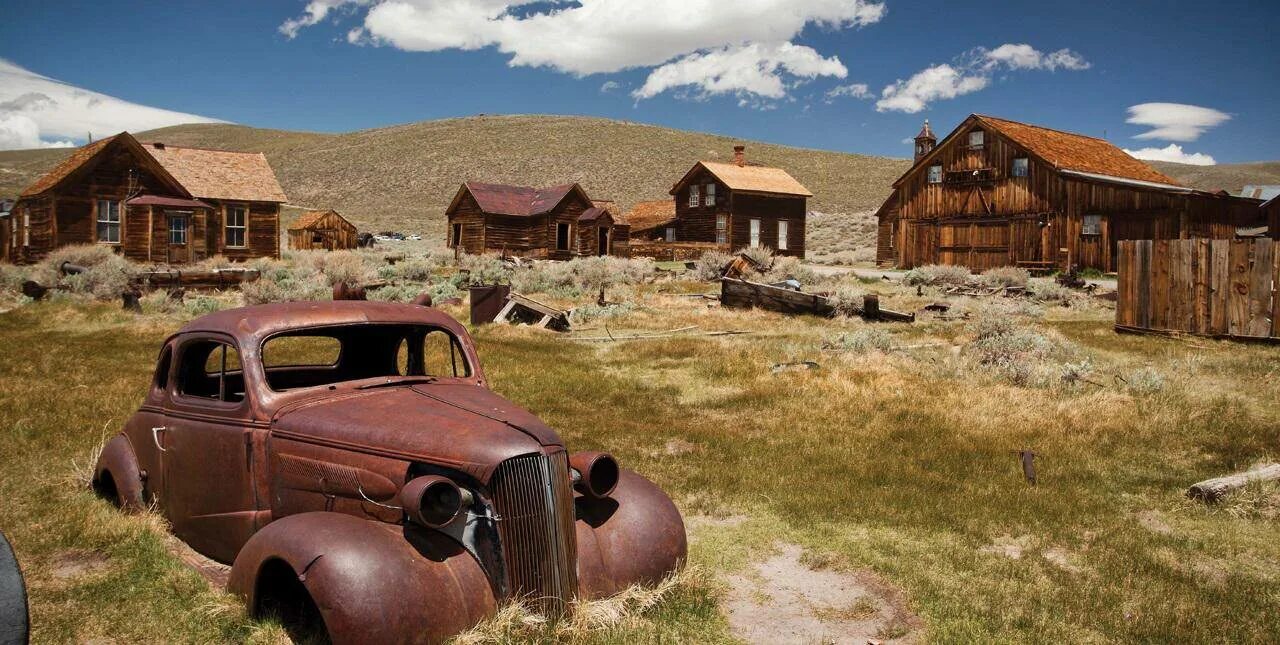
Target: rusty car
x,y
351,464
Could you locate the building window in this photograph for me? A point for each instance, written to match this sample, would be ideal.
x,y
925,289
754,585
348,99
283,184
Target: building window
x,y
722,229
671,234
237,225
108,221
562,236
755,233
1020,167
977,139
177,229
935,174
457,235
1092,225
782,235
26,229
693,197
711,195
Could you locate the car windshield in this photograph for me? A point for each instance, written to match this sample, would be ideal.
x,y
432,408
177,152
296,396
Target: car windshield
x,y
326,356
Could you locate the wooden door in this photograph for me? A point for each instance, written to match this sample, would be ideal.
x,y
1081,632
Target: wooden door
x,y
179,237
976,244
602,244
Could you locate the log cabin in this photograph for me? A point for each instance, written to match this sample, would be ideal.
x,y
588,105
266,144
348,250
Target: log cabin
x,y
322,231
997,192
152,203
739,204
556,223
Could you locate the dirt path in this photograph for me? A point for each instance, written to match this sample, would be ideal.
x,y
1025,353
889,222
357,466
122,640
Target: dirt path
x,y
780,600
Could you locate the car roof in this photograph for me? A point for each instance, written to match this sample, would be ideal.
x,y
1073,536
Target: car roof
x,y
259,321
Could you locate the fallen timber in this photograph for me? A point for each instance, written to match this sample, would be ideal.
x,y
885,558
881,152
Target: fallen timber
x,y
206,278
743,294
521,309
1211,490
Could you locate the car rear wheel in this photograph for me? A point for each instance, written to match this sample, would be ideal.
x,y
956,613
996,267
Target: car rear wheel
x,y
283,598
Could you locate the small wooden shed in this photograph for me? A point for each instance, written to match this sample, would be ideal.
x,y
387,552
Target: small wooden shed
x,y
322,231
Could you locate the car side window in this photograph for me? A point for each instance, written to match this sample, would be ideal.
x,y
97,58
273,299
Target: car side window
x,y
435,353
161,380
211,370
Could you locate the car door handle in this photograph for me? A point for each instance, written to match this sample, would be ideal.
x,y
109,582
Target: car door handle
x,y
155,436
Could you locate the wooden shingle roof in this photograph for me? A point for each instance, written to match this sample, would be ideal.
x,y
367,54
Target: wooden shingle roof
x,y
67,166
759,179
1070,151
521,201
647,215
310,218
220,174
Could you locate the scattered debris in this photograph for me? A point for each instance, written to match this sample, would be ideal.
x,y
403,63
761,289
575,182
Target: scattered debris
x,y
525,310
790,283
940,307
34,290
1071,278
1028,460
978,290
1211,490
744,294
741,266
798,366
205,278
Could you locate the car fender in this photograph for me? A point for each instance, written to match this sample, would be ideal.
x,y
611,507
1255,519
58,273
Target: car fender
x,y
372,582
118,459
635,536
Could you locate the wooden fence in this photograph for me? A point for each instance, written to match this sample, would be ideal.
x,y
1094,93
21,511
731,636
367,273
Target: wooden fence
x,y
1208,287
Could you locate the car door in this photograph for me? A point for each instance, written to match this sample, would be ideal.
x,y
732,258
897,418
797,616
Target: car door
x,y
209,492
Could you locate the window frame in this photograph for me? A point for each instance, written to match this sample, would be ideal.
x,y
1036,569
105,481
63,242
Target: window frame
x,y
227,227
472,372
693,196
929,176
722,228
982,139
754,233
179,398
784,229
1026,168
185,217
568,236
709,192
1084,225
669,234
118,222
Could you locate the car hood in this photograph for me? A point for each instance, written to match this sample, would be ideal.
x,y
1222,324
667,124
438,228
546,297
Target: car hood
x,y
463,426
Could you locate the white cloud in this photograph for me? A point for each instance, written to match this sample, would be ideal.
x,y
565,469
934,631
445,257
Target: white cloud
x,y
60,112
756,69
854,90
1175,121
1172,152
681,38
1024,56
610,86
971,72
932,84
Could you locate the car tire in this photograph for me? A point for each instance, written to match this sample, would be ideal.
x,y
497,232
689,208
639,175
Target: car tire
x,y
15,625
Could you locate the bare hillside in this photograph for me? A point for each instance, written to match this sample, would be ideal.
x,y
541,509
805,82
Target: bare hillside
x,y
1232,176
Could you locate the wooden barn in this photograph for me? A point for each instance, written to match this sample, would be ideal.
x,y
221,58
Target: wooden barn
x,y
996,192
322,231
556,223
739,204
152,203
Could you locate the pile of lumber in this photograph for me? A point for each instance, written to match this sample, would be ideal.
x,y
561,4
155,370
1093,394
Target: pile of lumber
x,y
744,294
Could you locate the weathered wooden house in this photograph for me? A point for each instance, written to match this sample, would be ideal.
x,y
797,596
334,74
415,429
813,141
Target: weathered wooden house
x,y
322,231
653,220
152,203
739,204
555,223
996,192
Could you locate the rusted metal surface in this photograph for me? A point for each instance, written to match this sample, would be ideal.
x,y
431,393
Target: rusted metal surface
x,y
395,504
487,301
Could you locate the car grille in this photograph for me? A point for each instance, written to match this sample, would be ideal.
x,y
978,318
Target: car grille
x,y
535,510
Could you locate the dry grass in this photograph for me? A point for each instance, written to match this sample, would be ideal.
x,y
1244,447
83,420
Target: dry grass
x,y
894,459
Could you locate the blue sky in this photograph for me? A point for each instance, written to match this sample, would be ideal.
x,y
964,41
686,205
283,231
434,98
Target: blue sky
x,y
1209,68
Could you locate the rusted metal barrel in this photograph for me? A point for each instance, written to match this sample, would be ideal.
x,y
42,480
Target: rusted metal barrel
x,y
486,301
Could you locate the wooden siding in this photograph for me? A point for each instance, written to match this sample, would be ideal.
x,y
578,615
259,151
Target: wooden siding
x,y
529,235
1199,286
330,232
698,223
992,218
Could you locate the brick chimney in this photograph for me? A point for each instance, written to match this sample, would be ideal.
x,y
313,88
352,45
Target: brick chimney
x,y
739,157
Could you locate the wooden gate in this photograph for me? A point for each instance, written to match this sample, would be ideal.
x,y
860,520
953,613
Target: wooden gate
x,y
977,244
1208,287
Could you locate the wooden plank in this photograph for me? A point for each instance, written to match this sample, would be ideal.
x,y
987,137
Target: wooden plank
x,y
1143,274
1124,284
1260,288
1238,288
1200,296
1219,286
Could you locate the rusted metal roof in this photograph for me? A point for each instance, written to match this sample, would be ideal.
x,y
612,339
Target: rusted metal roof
x,y
1070,151
760,179
174,202
220,174
592,214
520,201
647,215
260,321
